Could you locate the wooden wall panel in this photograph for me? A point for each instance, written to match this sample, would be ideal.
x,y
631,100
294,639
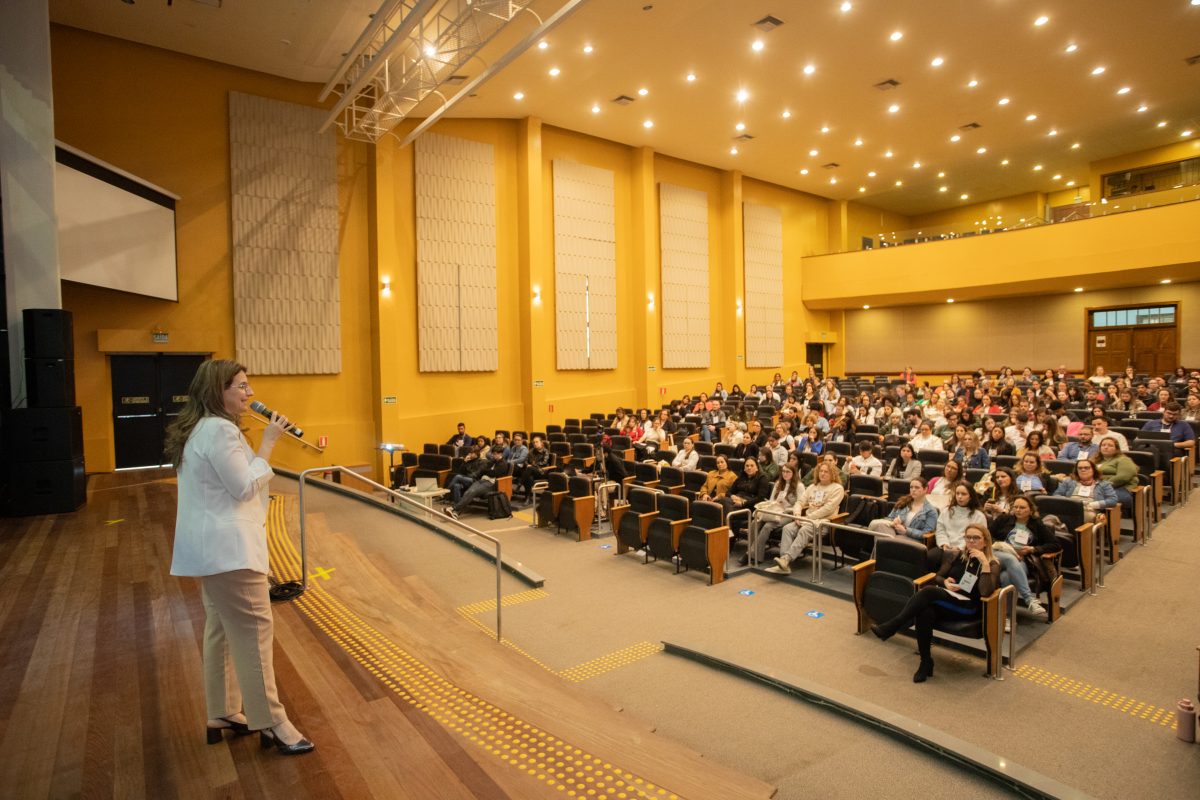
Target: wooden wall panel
x,y
683,225
763,249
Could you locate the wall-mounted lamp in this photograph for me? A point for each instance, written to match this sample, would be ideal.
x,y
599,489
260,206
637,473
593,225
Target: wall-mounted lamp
x,y
739,306
386,289
537,295
649,301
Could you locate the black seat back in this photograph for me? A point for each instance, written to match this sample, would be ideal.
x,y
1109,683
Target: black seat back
x,y
644,472
555,482
670,477
896,488
927,457
671,508
693,543
866,484
577,486
898,562
641,501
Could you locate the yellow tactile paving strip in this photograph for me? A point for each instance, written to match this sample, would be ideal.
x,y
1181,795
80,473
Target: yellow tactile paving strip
x,y
1155,715
569,769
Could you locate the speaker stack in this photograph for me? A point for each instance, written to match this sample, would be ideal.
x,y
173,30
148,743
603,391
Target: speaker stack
x,y
43,444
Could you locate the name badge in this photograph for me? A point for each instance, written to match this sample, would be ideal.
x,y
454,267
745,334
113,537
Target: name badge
x,y
1020,537
967,582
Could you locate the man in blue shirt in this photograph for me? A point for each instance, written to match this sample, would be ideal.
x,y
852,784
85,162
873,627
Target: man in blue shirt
x,y
1084,448
1181,432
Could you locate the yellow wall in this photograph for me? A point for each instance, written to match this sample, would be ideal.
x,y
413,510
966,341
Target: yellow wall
x,y
864,220
1178,151
163,117
1008,210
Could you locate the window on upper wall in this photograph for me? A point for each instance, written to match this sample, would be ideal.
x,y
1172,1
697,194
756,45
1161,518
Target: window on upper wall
x,y
1156,178
1126,317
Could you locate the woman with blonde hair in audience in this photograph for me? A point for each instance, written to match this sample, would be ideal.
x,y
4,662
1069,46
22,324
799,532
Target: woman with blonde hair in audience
x,y
719,482
784,495
1085,485
1053,435
905,466
1128,401
829,394
819,501
941,487
1001,490
1098,378
1031,475
962,512
970,454
1035,443
912,516
973,572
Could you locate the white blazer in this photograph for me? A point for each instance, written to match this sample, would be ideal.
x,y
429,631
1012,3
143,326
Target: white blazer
x,y
221,522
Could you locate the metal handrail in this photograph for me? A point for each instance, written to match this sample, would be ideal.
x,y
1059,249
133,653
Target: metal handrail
x,y
818,568
402,496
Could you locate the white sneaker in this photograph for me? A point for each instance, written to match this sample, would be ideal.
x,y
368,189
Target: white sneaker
x,y
639,553
777,570
1036,608
782,566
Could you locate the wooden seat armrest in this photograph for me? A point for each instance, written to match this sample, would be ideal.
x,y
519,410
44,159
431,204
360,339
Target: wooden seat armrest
x,y
442,476
616,513
930,539
677,528
504,484
644,521
995,611
628,455
585,510
717,545
862,572
924,580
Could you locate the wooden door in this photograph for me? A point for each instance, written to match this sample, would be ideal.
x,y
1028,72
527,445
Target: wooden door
x,y
1154,350
1108,348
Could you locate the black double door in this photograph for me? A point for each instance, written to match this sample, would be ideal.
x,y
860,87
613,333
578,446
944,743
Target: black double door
x,y
148,392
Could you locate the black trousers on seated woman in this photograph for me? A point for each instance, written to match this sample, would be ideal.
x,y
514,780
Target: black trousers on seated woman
x,y
926,608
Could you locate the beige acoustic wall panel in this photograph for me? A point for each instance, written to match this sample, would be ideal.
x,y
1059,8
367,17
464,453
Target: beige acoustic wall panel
x,y
284,210
762,228
585,267
683,225
456,255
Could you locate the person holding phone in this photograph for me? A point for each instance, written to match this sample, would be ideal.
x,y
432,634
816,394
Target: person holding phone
x,y
966,576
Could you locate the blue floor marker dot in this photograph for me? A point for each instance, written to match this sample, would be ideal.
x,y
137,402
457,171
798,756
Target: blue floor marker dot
x,y
815,614
747,592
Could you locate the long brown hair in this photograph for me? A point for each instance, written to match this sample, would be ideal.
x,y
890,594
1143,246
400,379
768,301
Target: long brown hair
x,y
205,398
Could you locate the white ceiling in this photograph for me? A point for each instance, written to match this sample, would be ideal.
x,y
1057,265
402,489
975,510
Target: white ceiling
x,y
653,44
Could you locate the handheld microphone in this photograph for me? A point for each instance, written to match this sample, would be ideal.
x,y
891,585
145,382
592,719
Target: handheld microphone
x,y
259,408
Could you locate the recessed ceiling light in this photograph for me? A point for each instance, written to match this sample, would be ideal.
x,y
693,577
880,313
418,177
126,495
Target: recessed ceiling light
x,y
733,151
812,152
1123,90
519,96
1052,132
1079,288
1030,117
833,180
963,196
943,188
1143,108
430,50
937,61
1186,133
786,114
1165,280
1070,183
1037,167
955,138
896,36
741,126
1162,124
804,171
866,308
1098,71
554,72
916,165
691,76
543,45
871,174
1075,146
742,95
1004,163
846,6
941,174
587,48
757,46
824,129
971,84
1072,47
858,142
1056,177
643,91
809,69
648,123
596,109
1040,21
981,150
949,299
893,108
862,188
1003,101
899,183
888,154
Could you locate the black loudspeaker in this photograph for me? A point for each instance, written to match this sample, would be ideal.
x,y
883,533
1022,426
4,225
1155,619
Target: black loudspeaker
x,y
46,487
42,434
50,382
49,333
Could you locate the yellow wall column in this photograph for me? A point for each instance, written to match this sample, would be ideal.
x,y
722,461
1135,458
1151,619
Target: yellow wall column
x,y
733,276
536,276
646,279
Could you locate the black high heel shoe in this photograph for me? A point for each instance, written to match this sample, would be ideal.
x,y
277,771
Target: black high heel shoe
x,y
267,737
216,734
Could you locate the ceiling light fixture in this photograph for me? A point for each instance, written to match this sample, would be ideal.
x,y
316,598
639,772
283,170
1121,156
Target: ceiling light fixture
x,y
643,91
955,138
963,196
809,69
1003,101
1004,163
949,299
846,6
943,188
937,61
1075,146
554,72
858,142
786,114
833,180
1070,183
587,48
916,165
430,51
757,46
899,183
1071,48
742,95
1030,117
1056,177
1186,133
691,76
824,129
1078,288
595,109
941,174
1037,167
812,152
888,154
1098,71
896,36
1123,90
543,45
519,96
1162,124
971,84
1143,108
1040,21
871,174
804,171
893,108
981,150
862,189
1165,281
648,123
741,126
1053,132
733,151
866,308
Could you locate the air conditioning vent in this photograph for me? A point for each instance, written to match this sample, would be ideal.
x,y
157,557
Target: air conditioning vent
x,y
745,137
768,23
831,165
890,83
623,99
1193,60
970,126
457,80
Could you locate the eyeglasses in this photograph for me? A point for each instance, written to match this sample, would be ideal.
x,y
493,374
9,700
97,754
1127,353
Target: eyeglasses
x,y
243,386
973,538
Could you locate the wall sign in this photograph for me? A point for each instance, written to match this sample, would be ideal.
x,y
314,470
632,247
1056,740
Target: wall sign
x,y
1101,342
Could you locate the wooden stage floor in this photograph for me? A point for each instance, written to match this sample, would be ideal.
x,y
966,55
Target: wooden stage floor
x,y
101,693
